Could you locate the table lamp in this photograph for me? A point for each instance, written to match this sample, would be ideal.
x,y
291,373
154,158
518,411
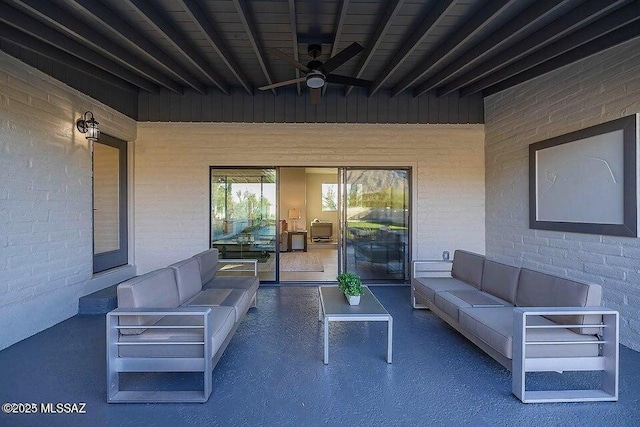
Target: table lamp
x,y
294,214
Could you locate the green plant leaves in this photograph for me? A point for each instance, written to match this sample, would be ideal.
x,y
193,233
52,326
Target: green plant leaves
x,y
350,284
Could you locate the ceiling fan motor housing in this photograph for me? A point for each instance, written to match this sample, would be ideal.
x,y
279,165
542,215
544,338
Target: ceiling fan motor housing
x,y
314,50
314,64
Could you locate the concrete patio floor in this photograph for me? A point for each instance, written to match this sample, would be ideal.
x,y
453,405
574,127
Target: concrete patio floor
x,y
272,374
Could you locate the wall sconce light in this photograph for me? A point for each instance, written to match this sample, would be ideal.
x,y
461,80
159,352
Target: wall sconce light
x,y
89,126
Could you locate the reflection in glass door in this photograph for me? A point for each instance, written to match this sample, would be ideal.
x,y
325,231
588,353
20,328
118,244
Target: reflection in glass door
x,y
110,246
243,216
376,223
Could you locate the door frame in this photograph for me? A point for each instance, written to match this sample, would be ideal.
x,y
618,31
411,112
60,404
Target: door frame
x,y
411,167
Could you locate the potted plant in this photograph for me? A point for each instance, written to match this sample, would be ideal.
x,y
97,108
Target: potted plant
x,y
351,285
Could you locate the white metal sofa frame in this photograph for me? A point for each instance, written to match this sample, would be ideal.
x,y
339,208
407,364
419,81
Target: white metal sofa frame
x,y
117,364
608,361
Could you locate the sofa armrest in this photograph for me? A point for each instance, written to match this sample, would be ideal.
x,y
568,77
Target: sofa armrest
x,y
178,311
245,265
113,326
606,361
117,364
431,268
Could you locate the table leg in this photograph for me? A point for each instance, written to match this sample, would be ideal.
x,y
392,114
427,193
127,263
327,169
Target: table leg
x,y
319,307
326,341
389,339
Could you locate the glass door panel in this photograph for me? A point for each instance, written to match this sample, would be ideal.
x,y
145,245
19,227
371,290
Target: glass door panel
x,y
106,197
110,245
243,217
376,223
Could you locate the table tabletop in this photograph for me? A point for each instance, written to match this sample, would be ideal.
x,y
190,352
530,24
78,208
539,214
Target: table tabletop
x,y
334,303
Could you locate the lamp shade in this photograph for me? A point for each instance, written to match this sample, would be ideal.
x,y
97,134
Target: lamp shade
x,y
89,126
294,213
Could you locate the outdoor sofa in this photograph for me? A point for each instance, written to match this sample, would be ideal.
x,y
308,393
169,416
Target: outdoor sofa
x,y
526,320
177,319
382,247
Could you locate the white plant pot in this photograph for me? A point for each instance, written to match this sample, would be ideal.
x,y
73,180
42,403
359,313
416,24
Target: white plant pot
x,y
353,300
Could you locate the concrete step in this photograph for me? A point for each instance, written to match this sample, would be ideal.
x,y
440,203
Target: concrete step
x,y
100,302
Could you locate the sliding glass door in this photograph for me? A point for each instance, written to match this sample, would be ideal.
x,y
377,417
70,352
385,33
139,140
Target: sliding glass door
x,y
375,223
366,209
243,216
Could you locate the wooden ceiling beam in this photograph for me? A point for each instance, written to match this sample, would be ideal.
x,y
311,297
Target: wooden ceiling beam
x,y
615,20
567,23
435,15
342,15
383,24
293,20
151,13
242,7
115,25
538,10
52,15
34,28
47,50
205,26
622,35
471,27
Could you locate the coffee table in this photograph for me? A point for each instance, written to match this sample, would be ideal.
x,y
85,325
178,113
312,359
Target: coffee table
x,y
333,307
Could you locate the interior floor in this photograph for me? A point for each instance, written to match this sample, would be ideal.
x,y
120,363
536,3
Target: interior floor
x,y
328,255
329,258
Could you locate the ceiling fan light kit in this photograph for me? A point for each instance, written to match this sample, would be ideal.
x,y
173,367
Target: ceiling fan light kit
x,y
315,79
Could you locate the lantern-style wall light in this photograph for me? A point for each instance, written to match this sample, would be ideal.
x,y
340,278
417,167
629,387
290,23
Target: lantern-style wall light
x,y
89,126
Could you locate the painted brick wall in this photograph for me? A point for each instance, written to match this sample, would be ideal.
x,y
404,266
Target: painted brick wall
x,y
172,176
593,91
45,198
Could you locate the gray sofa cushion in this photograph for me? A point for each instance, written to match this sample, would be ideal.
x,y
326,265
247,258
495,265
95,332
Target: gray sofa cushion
x,y
536,289
238,299
208,264
467,267
500,280
429,286
221,322
156,289
494,326
451,302
249,283
187,278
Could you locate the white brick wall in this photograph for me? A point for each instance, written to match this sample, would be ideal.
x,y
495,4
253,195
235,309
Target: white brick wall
x,y
599,89
45,198
172,176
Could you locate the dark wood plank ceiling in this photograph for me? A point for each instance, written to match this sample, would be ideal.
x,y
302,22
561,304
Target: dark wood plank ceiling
x,y
412,48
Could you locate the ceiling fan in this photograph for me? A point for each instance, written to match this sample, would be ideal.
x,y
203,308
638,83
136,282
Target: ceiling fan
x,y
318,73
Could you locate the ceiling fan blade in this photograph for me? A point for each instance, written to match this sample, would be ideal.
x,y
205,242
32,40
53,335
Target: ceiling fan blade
x,y
315,95
291,61
341,57
285,83
350,81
